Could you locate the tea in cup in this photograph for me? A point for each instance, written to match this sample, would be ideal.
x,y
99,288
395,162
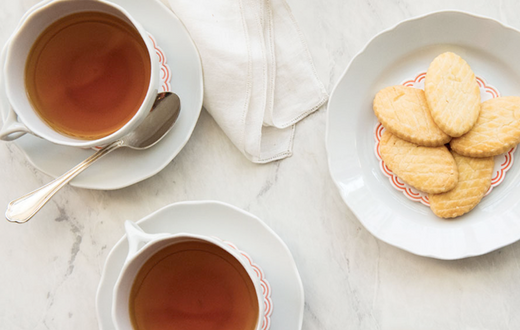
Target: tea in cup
x,y
79,73
185,281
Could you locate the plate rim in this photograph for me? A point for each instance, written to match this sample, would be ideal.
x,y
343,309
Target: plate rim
x,y
430,252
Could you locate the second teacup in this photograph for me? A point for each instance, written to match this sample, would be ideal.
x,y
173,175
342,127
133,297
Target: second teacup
x,y
191,281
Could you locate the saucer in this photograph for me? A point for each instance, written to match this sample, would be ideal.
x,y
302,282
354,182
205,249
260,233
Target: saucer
x,y
132,166
211,218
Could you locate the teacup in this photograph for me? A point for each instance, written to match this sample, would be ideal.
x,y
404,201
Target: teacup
x,y
104,95
192,281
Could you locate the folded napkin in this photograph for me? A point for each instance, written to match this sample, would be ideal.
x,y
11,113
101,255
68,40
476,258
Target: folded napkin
x,y
259,79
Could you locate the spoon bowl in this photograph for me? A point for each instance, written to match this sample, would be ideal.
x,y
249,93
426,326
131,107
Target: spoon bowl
x,y
157,124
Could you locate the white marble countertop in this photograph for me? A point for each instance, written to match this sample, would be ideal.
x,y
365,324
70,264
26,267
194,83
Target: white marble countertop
x,y
51,266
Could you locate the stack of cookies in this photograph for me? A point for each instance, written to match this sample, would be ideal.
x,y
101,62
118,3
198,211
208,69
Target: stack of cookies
x,y
443,140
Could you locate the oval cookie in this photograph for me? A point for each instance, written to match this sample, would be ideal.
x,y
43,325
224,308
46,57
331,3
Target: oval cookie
x,y
474,181
452,94
432,170
497,129
404,112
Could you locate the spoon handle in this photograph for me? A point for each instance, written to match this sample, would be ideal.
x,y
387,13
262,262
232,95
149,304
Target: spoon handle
x,y
24,208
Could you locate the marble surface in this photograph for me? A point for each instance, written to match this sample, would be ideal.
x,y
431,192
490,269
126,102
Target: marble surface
x,y
51,266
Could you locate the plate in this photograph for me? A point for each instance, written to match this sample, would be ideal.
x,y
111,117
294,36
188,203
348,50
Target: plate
x,y
132,166
392,56
228,223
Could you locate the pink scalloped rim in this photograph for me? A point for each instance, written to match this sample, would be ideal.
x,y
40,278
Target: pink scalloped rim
x,y
503,162
266,288
165,69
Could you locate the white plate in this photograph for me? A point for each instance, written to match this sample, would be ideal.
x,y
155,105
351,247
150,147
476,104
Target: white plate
x,y
125,167
389,58
229,223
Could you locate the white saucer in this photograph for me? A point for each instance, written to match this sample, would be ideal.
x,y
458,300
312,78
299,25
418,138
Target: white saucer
x,y
125,167
229,223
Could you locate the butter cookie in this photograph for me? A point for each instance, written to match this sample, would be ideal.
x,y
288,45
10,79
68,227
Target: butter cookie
x,y
452,94
404,112
474,181
497,129
429,169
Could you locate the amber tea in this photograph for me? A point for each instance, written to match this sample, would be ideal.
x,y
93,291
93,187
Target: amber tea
x,y
87,74
193,285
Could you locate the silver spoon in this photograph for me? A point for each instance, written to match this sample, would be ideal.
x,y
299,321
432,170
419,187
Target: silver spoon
x,y
165,112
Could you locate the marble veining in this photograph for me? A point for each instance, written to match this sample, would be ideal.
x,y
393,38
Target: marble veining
x,y
51,266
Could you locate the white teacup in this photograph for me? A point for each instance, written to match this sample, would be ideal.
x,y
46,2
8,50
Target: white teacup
x,y
143,246
23,118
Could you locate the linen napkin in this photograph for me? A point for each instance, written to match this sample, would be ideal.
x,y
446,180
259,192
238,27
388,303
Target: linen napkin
x,y
259,79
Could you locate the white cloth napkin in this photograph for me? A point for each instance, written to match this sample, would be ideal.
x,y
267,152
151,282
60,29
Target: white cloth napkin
x,y
259,79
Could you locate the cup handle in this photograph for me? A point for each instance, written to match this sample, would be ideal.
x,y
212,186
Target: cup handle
x,y
137,238
12,128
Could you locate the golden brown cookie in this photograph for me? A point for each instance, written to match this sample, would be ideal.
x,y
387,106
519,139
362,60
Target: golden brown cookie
x,y
497,129
474,181
452,94
432,170
404,112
